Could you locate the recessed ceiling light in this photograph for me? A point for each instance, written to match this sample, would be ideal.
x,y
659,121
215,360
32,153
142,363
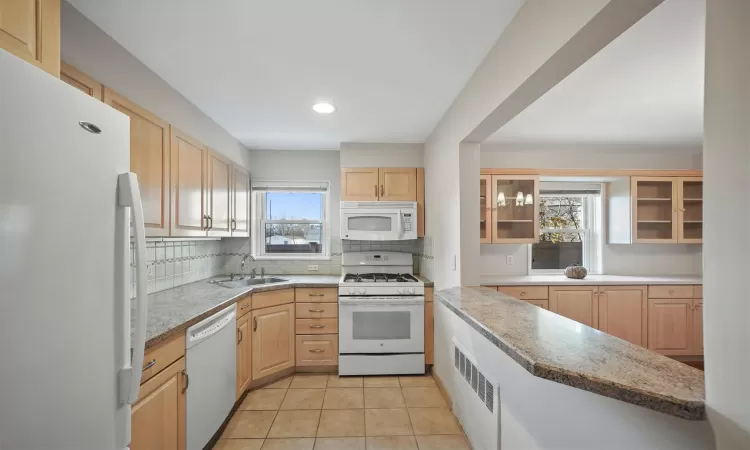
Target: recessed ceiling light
x,y
323,108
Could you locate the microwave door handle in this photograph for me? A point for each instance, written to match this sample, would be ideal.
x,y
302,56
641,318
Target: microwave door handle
x,y
399,219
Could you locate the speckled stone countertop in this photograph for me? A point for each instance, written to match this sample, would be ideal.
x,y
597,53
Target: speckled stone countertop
x,y
173,310
556,348
590,280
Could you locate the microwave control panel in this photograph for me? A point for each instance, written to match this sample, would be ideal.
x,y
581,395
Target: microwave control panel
x,y
407,221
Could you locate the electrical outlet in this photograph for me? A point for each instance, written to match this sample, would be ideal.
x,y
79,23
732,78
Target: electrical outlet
x,y
509,260
312,268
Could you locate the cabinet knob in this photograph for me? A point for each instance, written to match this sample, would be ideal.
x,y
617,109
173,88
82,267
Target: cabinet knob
x,y
523,294
671,292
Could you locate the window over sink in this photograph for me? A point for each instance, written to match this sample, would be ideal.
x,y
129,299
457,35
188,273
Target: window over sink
x,y
290,220
570,221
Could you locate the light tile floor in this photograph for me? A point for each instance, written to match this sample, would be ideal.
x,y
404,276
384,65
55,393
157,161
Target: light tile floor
x,y
327,412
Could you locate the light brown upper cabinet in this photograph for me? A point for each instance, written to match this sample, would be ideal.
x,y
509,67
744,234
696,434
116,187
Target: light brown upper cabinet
x,y
623,312
392,184
579,303
219,176
30,29
149,160
240,202
485,210
273,340
656,210
188,156
359,184
514,201
81,81
397,184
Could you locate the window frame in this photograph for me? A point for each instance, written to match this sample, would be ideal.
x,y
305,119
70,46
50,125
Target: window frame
x,y
259,221
591,212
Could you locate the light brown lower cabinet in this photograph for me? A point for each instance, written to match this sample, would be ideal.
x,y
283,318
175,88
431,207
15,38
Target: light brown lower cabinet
x,y
579,303
273,340
544,304
158,418
317,350
698,326
244,354
623,312
670,326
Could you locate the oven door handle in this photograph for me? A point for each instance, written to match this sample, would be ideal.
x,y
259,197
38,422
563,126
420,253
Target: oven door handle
x,y
358,301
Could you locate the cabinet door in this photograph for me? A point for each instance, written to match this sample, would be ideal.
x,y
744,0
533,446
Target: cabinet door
x,y
81,81
30,29
359,184
188,156
149,160
158,418
515,209
623,312
273,340
690,210
217,195
240,203
698,326
654,209
429,333
244,354
485,210
397,184
670,326
578,303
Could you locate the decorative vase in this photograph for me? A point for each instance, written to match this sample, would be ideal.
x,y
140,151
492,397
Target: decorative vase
x,y
576,271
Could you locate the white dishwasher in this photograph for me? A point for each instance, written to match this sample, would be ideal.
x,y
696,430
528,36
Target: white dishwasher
x,y
211,367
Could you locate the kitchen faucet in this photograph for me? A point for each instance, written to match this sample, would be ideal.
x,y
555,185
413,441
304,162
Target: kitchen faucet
x,y
242,265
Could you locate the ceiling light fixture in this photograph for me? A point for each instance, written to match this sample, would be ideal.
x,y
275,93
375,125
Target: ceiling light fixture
x,y
323,108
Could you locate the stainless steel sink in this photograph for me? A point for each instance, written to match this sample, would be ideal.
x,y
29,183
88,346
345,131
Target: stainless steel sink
x,y
230,283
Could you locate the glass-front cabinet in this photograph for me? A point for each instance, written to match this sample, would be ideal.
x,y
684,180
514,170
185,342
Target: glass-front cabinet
x,y
509,209
667,209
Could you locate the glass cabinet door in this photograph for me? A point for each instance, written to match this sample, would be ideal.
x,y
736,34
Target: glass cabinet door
x,y
515,209
485,211
690,210
654,209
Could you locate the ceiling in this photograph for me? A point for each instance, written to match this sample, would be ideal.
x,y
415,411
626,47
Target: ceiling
x,y
391,67
645,88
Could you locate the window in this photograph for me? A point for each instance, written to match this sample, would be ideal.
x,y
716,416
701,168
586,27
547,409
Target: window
x,y
570,227
290,221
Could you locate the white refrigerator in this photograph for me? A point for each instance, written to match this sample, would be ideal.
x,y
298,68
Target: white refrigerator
x,y
66,200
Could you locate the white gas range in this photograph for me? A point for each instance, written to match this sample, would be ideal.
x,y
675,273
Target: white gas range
x,y
381,315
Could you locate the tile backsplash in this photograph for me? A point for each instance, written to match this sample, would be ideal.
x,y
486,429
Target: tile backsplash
x,y
174,263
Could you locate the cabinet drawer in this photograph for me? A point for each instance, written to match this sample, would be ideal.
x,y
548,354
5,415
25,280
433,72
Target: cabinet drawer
x,y
272,298
317,310
244,305
318,295
698,291
317,326
670,291
540,303
525,292
159,357
317,350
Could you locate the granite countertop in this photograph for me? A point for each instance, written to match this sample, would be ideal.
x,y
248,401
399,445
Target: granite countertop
x,y
595,280
173,310
559,349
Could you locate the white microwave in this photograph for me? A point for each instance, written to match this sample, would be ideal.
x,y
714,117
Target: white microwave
x,y
378,221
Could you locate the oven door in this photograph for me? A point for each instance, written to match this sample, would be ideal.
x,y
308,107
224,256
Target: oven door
x,y
371,225
381,325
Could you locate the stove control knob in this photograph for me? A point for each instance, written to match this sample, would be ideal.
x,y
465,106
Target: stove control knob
x,y
352,291
362,291
412,290
399,290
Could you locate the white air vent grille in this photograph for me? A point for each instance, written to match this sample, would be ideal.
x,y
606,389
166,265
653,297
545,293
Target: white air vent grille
x,y
475,379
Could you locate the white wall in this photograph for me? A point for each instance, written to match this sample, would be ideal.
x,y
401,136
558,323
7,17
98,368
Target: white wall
x,y
726,162
354,154
92,51
630,259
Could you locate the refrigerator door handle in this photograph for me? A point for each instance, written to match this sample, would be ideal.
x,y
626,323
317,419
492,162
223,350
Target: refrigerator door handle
x,y
129,195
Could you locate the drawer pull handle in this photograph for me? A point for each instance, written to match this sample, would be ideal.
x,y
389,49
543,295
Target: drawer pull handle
x,y
671,292
255,324
149,365
317,326
239,338
316,350
245,306
316,294
317,310
523,294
